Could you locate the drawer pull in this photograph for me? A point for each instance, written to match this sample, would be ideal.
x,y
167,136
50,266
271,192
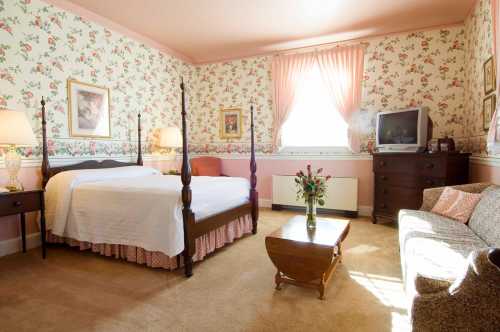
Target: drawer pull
x,y
429,165
382,163
17,204
383,177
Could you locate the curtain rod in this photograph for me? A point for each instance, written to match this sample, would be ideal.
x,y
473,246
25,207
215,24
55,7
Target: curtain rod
x,y
325,46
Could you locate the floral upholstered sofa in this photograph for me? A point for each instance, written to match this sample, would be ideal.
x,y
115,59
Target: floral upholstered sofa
x,y
450,280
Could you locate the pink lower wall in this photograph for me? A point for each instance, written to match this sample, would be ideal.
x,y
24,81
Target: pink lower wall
x,y
484,173
266,168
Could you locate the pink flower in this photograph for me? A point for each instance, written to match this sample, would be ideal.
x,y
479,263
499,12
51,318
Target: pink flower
x,y
26,47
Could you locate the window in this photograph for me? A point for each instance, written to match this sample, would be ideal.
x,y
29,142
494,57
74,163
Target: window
x,y
312,121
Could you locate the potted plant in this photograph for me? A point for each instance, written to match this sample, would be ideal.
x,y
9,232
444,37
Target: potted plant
x,y
311,187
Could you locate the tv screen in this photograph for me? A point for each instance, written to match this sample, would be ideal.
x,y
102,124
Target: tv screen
x,y
398,128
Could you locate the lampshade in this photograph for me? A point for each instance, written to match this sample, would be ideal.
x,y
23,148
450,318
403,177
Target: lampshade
x,y
15,129
170,138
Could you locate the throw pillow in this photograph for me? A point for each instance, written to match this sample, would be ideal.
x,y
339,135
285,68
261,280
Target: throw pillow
x,y
455,204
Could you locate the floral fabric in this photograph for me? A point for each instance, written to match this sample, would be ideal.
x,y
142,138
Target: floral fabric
x,y
456,204
485,220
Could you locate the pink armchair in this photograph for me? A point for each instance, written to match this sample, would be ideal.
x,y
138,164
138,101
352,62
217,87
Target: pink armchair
x,y
206,166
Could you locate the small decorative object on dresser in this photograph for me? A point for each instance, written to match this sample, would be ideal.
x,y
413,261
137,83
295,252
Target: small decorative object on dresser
x,y
311,187
446,144
15,131
400,179
230,123
21,203
489,104
489,76
307,257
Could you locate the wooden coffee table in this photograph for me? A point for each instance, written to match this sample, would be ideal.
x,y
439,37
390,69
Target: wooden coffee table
x,y
307,257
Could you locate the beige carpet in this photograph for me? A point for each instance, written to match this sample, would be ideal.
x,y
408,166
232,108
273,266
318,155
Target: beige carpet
x,y
232,290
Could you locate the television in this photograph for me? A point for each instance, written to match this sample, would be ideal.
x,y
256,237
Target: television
x,y
402,131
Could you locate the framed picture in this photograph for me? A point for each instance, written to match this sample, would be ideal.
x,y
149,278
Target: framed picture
x,y
489,76
230,123
489,104
89,114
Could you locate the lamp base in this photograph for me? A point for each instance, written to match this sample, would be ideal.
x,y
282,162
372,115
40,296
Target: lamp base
x,y
13,165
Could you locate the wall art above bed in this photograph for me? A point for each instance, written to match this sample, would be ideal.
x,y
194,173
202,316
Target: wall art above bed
x,y
88,114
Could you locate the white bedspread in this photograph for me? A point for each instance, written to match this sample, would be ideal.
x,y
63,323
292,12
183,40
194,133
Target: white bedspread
x,y
134,205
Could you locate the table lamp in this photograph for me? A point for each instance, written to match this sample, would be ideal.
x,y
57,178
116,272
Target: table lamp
x,y
170,138
15,131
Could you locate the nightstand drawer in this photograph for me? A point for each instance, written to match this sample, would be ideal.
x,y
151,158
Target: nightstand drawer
x,y
22,202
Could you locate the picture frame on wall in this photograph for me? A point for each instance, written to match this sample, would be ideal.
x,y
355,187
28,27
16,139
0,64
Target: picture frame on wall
x,y
488,110
88,110
489,76
230,123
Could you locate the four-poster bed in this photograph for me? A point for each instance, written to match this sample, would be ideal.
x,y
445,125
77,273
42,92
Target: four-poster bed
x,y
193,228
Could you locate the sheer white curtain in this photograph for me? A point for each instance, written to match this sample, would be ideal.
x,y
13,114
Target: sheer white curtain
x,y
287,72
342,72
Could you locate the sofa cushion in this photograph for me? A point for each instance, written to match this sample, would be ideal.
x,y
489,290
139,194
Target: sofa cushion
x,y
455,204
485,220
434,246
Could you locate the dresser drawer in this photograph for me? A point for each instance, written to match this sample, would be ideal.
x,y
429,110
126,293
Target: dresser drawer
x,y
19,203
431,182
393,164
396,179
435,167
395,193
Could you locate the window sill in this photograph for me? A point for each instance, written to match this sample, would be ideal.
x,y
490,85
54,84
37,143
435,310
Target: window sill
x,y
315,150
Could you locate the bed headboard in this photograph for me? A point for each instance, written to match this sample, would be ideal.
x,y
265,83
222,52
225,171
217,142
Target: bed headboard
x,y
48,172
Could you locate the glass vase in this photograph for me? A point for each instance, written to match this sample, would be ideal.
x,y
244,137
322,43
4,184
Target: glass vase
x,y
311,212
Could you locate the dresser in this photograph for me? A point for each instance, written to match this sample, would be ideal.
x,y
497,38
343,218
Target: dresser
x,y
400,179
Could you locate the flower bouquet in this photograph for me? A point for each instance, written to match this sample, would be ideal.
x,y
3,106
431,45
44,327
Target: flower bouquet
x,y
311,187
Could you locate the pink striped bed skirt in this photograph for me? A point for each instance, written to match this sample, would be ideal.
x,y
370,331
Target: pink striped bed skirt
x,y
205,245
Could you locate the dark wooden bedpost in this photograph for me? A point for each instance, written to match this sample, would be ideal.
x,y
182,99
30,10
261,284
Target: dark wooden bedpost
x,y
45,152
254,195
187,213
139,145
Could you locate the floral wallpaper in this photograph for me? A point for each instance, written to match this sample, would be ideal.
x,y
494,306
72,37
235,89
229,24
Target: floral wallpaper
x,y
420,68
41,47
478,48
237,83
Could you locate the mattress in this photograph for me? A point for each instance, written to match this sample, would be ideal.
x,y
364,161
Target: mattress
x,y
134,205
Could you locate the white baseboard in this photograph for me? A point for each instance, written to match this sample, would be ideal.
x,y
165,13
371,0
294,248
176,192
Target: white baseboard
x,y
365,210
11,246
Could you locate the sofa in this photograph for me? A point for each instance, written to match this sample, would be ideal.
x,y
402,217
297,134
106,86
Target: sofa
x,y
451,279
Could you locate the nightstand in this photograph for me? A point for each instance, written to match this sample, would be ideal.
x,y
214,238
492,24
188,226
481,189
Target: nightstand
x,y
20,203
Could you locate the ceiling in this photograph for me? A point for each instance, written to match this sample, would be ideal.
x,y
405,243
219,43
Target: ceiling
x,y
212,30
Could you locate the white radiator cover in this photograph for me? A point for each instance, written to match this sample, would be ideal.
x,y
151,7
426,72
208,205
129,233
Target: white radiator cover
x,y
341,194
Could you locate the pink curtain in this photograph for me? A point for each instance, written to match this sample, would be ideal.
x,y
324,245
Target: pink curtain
x,y
287,71
493,136
342,71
